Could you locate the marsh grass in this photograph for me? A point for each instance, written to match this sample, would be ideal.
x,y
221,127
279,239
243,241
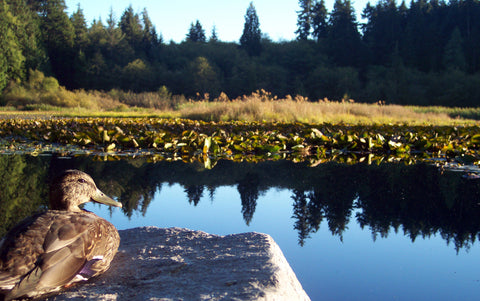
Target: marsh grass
x,y
283,110
289,110
458,113
159,100
43,96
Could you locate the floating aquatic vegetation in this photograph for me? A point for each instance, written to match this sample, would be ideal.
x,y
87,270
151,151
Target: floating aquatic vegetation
x,y
175,139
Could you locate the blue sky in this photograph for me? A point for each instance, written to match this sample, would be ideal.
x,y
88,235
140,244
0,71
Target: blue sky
x,y
172,18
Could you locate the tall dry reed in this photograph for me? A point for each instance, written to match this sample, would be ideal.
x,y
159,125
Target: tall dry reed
x,y
257,107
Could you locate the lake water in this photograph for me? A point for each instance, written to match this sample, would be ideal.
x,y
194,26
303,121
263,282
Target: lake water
x,y
350,232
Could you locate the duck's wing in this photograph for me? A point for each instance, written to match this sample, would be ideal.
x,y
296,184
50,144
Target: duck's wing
x,y
8,281
67,248
20,248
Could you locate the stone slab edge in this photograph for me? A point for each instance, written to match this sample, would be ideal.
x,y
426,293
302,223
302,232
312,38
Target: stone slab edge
x,y
180,264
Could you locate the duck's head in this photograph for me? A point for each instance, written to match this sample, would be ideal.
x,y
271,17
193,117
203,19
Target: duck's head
x,y
73,188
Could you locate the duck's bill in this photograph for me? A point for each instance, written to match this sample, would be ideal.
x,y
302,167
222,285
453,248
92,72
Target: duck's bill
x,y
101,197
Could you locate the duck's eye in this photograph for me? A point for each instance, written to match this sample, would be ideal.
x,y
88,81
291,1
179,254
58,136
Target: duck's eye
x,y
83,181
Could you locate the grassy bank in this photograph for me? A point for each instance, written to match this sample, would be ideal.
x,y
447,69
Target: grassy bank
x,y
42,97
287,110
252,108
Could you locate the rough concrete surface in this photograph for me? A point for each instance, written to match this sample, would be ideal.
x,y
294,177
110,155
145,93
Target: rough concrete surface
x,y
181,264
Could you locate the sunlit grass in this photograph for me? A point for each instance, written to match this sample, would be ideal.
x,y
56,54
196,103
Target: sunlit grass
x,y
259,106
287,110
42,96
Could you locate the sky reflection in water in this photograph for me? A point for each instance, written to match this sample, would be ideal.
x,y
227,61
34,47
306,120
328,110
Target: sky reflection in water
x,y
330,268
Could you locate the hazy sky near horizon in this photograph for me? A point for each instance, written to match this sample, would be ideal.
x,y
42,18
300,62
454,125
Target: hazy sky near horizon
x,y
172,19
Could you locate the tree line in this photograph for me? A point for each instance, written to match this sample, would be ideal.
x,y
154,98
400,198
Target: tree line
x,y
426,53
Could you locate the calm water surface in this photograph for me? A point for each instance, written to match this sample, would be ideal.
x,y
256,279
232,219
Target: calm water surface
x,y
389,232
352,268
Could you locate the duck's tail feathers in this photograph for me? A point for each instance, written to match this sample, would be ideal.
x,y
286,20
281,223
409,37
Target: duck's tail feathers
x,y
7,281
26,285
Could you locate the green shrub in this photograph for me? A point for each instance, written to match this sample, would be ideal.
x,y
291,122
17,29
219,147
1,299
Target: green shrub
x,y
42,92
160,100
50,84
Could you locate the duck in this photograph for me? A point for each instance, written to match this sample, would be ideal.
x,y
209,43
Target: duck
x,y
57,248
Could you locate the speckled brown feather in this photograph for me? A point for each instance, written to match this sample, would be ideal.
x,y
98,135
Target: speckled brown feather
x,y
45,252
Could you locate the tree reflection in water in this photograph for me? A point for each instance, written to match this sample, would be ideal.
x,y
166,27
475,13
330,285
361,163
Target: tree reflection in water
x,y
194,193
419,200
248,189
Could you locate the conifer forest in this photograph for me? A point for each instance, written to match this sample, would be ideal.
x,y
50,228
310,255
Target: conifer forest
x,y
425,52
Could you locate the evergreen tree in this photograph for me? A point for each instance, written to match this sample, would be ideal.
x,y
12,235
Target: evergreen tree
x,y
213,36
12,59
58,37
196,33
320,20
150,40
192,34
93,72
200,32
453,57
57,29
115,53
114,35
28,33
80,26
343,36
304,19
383,31
111,22
97,34
469,23
417,45
411,52
80,46
251,37
132,28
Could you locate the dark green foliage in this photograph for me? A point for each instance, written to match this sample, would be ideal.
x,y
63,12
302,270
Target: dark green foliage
x,y
250,39
58,36
131,27
344,42
80,26
20,39
304,19
11,58
213,36
150,40
204,76
382,32
319,21
312,20
453,56
424,54
24,189
196,33
28,33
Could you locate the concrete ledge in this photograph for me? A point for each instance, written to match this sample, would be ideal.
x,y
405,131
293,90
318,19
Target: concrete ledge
x,y
181,264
